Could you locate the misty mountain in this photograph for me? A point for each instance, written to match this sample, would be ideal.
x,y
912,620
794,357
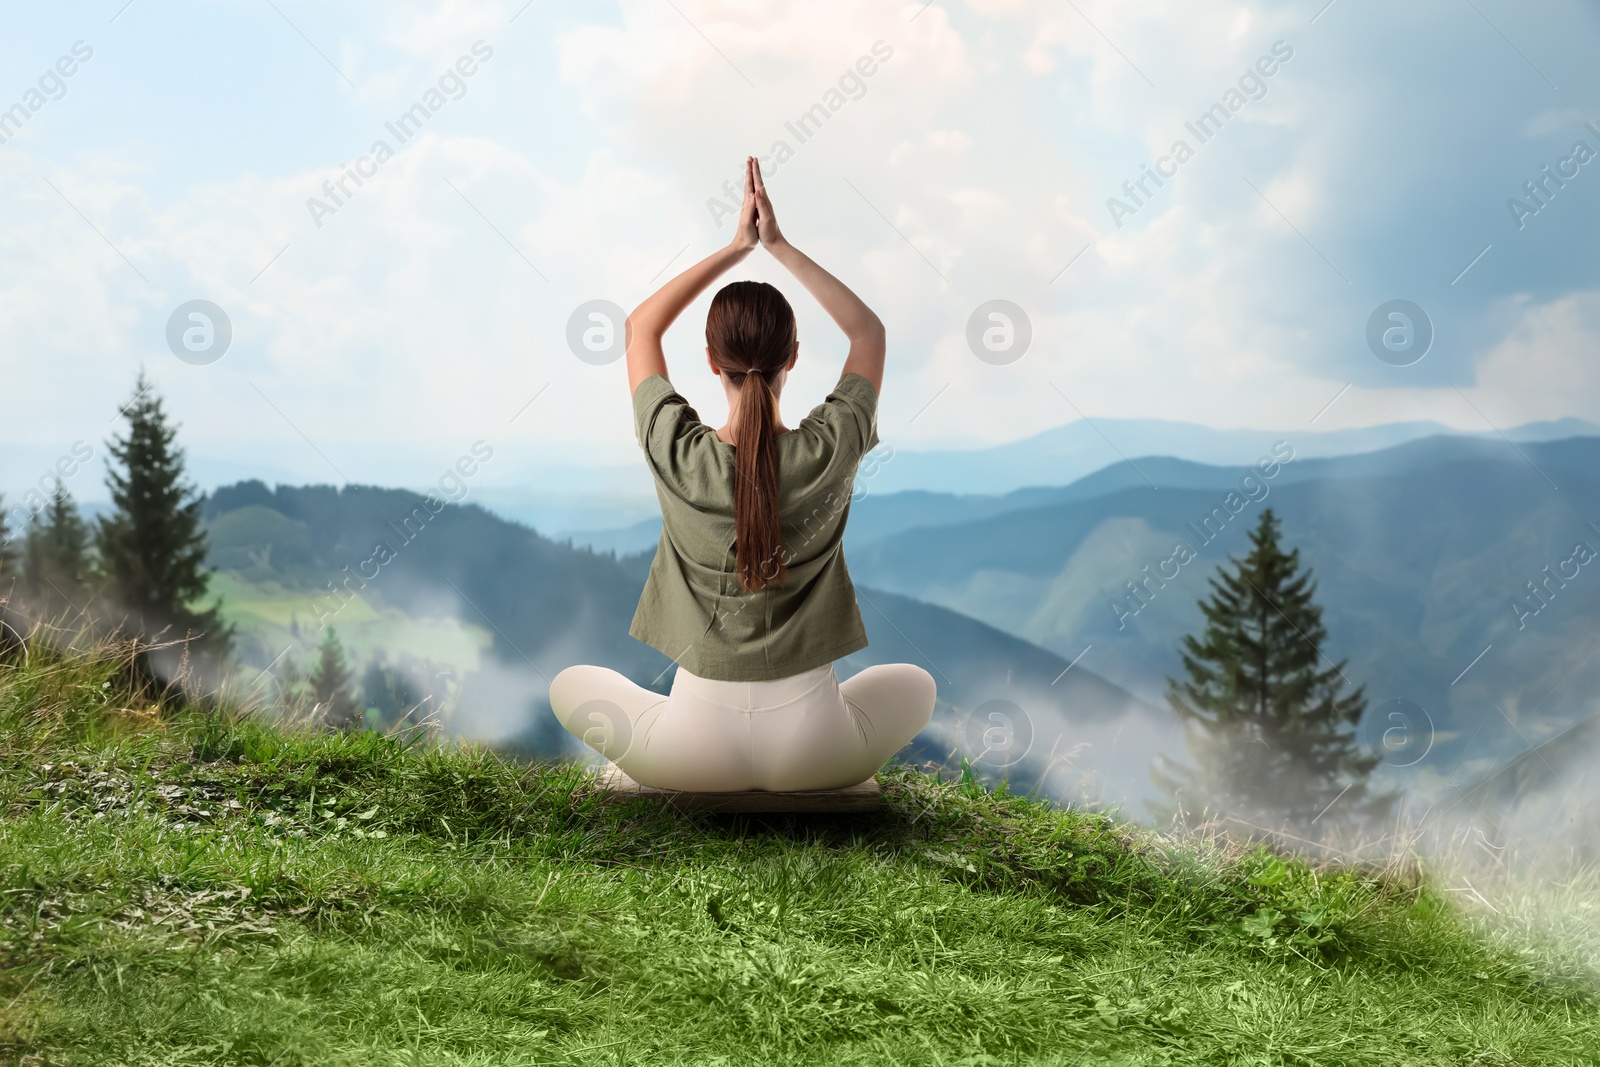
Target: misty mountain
x,y
1417,576
1422,553
593,504
876,513
546,605
1063,454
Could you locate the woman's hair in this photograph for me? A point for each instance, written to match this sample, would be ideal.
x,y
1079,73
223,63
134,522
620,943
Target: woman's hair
x,y
751,333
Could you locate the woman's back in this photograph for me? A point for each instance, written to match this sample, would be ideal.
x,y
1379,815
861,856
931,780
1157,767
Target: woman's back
x,y
694,607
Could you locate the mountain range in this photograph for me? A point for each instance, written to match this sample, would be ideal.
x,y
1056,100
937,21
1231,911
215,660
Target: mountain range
x,y
1424,553
1454,572
1077,459
368,561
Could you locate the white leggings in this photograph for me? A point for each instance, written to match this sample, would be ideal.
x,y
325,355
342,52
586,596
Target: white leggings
x,y
806,731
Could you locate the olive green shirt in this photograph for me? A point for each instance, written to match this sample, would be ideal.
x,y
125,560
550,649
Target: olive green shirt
x,y
694,608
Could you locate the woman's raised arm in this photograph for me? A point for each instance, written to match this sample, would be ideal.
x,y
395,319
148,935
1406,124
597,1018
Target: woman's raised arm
x,y
649,321
861,327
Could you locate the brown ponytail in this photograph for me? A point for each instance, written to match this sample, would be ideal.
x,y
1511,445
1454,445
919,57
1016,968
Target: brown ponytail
x,y
751,333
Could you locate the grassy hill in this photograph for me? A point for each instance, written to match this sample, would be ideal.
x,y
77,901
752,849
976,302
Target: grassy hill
x,y
193,887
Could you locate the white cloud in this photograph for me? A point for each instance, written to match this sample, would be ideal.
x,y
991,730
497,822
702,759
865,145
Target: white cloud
x,y
1544,367
975,165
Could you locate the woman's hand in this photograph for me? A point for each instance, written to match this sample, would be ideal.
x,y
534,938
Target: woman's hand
x,y
766,221
649,321
747,235
863,328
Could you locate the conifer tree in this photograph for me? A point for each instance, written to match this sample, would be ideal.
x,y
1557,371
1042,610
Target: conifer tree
x,y
1269,721
290,680
152,547
330,685
9,553
56,563
389,691
10,620
31,566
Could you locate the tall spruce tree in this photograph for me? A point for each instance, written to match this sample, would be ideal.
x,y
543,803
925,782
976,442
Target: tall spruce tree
x,y
330,685
56,565
152,547
1269,721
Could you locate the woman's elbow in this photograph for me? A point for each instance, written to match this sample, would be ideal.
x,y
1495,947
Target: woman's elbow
x,y
639,324
871,330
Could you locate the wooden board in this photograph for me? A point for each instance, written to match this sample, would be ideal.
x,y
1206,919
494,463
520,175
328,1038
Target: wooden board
x,y
863,796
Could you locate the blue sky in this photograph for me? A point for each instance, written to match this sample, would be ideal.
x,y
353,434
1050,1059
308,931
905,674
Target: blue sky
x,y
975,164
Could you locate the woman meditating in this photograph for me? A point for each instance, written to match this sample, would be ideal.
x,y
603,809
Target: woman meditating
x,y
748,592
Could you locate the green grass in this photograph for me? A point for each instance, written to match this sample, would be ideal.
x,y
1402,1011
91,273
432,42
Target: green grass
x,y
193,888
